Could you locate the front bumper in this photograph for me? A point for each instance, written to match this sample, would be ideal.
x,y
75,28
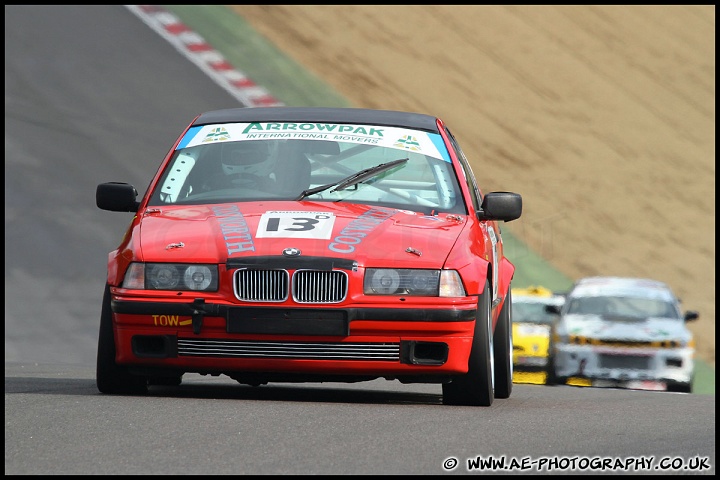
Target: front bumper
x,y
529,363
620,365
216,338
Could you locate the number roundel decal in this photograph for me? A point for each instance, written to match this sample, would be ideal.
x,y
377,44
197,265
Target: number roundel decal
x,y
316,225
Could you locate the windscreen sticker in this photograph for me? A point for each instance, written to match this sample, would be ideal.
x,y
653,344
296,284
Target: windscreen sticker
x,y
408,142
391,137
317,225
218,134
188,137
440,145
612,290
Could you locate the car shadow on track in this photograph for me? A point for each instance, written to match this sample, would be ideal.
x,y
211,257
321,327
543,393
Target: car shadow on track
x,y
228,389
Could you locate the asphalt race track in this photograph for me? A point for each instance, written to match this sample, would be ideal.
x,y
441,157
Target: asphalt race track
x,y
94,95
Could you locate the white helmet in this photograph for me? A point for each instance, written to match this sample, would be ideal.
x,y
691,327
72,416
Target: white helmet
x,y
255,157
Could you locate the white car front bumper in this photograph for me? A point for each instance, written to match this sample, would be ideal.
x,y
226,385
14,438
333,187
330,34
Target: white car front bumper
x,y
622,364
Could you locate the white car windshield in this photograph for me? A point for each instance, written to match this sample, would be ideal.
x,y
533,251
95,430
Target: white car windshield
x,y
619,306
531,312
227,163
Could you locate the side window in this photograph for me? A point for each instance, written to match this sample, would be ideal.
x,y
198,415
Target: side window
x,y
468,173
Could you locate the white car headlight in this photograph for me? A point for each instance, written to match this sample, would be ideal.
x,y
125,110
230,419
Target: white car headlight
x,y
406,281
171,276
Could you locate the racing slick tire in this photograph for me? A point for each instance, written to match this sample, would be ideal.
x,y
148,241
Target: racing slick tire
x,y
550,377
503,349
679,387
476,387
110,377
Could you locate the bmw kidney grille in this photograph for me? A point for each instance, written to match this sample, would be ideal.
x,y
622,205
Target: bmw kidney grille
x,y
308,286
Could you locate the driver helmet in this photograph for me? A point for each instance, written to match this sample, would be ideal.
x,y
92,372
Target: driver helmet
x,y
254,157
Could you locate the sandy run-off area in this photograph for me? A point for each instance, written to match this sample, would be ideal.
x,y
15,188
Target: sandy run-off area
x,y
602,117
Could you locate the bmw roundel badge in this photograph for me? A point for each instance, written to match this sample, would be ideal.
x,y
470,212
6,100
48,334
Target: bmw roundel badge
x,y
291,252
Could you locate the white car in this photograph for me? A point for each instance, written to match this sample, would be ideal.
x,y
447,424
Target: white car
x,y
622,332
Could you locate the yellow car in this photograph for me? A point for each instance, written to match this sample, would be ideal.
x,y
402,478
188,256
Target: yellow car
x,y
531,332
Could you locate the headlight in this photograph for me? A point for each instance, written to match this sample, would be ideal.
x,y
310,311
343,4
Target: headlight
x,y
171,276
405,281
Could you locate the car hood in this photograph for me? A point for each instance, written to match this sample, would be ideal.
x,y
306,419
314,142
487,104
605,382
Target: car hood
x,y
641,330
216,233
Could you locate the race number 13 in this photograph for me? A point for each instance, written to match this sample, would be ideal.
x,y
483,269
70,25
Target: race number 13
x,y
317,225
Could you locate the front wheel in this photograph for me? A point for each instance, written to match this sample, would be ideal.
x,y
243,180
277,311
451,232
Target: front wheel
x,y
477,386
503,349
550,378
109,376
679,387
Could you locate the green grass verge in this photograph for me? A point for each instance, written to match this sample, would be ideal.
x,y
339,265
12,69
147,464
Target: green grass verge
x,y
256,57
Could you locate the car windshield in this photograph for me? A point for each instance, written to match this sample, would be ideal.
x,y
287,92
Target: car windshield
x,y
619,306
249,162
526,312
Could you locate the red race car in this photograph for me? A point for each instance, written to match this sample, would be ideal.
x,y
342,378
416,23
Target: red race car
x,y
296,244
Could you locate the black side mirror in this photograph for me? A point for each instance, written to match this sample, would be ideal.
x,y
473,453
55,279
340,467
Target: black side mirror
x,y
505,206
117,197
553,309
691,315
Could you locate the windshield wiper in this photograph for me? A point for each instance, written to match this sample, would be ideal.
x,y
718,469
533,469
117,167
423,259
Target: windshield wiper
x,y
353,179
